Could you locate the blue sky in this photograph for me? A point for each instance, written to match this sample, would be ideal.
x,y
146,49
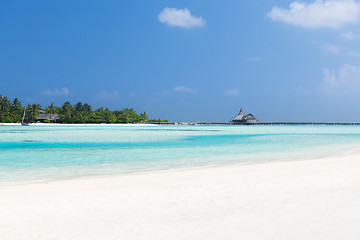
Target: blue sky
x,y
186,60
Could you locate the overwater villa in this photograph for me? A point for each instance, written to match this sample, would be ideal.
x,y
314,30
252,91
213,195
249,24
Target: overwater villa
x,y
241,118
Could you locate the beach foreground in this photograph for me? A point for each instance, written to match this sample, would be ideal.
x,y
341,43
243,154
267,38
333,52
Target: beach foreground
x,y
314,199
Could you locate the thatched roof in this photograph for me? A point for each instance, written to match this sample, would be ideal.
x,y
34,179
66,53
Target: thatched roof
x,y
240,116
49,116
249,116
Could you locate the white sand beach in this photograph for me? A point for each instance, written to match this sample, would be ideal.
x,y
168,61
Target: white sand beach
x,y
313,199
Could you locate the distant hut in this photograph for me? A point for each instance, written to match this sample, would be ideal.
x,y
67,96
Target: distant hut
x,y
47,117
241,118
250,119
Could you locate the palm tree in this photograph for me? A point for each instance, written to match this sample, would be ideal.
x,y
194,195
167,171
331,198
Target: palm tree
x,y
5,105
16,110
51,109
32,112
144,117
65,112
80,113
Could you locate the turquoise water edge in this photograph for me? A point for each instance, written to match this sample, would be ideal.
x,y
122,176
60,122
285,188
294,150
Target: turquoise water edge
x,y
58,152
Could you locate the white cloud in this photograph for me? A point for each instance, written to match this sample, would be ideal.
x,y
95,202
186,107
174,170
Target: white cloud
x,y
328,13
330,48
231,92
329,77
107,95
352,53
347,78
334,49
350,36
180,18
183,89
62,92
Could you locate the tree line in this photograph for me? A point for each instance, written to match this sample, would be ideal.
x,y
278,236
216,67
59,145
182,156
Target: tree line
x,y
12,112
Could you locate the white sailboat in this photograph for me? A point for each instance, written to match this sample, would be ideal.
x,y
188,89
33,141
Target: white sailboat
x,y
22,121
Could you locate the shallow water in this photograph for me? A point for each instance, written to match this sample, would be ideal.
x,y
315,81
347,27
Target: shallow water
x,y
58,152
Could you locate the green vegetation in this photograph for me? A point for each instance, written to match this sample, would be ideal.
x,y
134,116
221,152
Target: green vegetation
x,y
12,112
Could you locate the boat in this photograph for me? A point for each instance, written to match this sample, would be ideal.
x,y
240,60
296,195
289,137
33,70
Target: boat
x,y
22,121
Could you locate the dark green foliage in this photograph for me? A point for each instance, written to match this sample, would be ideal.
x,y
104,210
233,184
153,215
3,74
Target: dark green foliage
x,y
157,121
153,120
12,112
127,115
143,117
32,112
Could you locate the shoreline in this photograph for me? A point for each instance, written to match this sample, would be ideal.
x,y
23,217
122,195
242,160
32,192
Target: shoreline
x,y
193,124
347,153
340,154
308,199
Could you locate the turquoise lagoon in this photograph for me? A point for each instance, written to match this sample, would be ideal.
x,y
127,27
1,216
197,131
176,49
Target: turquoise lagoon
x,y
45,153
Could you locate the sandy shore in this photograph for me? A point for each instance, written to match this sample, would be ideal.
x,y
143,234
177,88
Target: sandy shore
x,y
315,199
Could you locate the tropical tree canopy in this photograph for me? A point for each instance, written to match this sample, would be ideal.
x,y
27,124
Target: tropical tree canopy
x,y
12,112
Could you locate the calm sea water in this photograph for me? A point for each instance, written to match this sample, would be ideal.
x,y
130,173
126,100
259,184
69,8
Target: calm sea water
x,y
58,152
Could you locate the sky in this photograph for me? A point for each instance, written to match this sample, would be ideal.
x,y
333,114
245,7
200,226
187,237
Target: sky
x,y
186,60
